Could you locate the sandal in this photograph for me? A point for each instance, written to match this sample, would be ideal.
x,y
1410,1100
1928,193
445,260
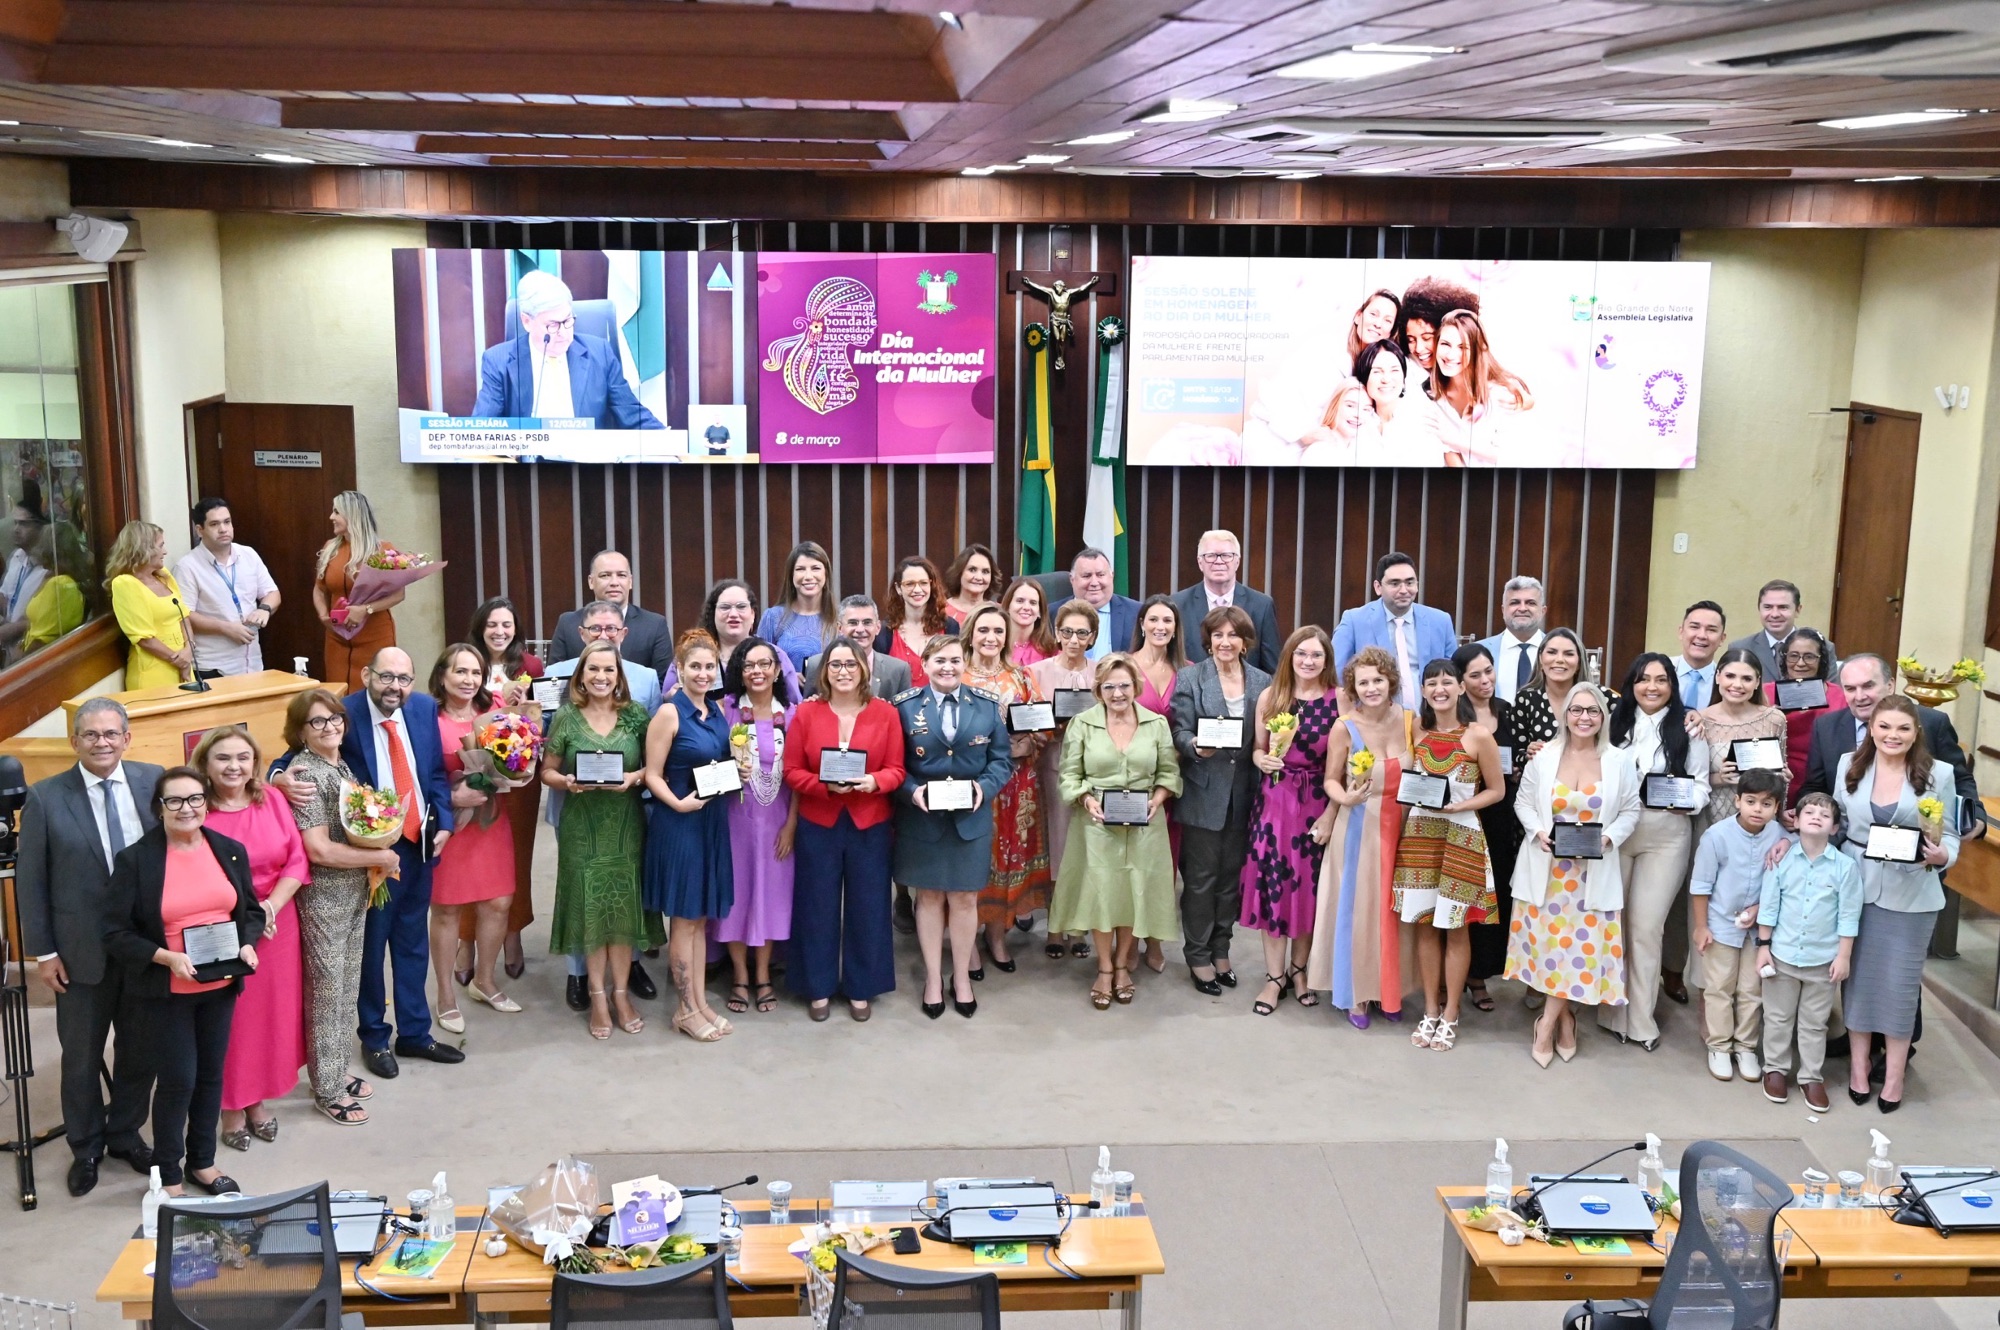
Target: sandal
x,y
345,1113
358,1089
497,1001
1080,948
695,1027
1445,1036
1101,998
235,1140
1421,1036
637,1025
1123,993
600,1031
1263,1008
1481,999
1055,951
767,998
736,1003
267,1130
1296,977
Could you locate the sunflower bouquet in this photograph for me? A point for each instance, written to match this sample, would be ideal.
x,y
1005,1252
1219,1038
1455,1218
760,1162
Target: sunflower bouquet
x,y
499,755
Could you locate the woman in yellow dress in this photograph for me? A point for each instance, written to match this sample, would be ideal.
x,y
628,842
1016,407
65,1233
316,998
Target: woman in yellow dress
x,y
148,604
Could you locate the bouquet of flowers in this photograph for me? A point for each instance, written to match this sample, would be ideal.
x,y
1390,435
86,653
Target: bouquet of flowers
x,y
1930,817
373,819
1359,764
821,1261
554,1215
386,571
743,747
499,755
1283,728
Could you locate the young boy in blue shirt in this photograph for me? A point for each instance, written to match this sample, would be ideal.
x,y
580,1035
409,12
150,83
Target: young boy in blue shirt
x,y
1727,881
1807,919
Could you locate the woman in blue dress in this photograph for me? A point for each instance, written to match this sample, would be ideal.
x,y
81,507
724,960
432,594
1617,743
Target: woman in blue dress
x,y
689,875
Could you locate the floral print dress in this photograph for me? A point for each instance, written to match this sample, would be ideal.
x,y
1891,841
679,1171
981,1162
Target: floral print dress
x,y
1281,872
1560,947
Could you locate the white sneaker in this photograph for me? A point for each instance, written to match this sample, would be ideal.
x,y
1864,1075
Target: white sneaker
x,y
1748,1067
1718,1065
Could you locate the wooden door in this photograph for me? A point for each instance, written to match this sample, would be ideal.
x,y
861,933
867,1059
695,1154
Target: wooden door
x,y
279,465
1874,549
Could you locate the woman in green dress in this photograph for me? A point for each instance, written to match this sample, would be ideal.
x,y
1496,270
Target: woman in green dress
x,y
1117,878
601,839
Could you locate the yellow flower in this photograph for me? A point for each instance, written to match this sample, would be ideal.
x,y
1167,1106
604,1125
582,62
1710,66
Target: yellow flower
x,y
1930,809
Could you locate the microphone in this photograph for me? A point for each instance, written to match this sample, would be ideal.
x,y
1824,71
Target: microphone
x,y
1531,1208
718,1190
195,683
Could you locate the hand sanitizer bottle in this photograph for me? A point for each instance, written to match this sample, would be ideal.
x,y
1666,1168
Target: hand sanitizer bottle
x,y
1651,1169
441,1225
1881,1173
1500,1176
149,1205
1103,1184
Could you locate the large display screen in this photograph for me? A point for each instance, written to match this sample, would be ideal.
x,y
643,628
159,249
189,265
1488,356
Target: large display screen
x,y
1415,363
695,356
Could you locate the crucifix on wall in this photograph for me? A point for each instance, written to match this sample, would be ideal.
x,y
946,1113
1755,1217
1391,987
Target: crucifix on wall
x,y
1059,289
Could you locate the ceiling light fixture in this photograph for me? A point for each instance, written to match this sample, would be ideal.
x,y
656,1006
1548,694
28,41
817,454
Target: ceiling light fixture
x,y
177,143
1044,159
951,20
1098,140
1640,143
1884,179
9,122
1298,175
1185,111
1495,166
1375,170
286,159
1364,61
1893,118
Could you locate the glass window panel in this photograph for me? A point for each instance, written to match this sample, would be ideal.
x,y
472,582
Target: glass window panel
x,y
21,413
62,413
55,321
20,333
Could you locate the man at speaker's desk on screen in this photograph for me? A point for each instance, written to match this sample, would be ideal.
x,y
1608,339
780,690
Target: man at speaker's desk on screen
x,y
552,370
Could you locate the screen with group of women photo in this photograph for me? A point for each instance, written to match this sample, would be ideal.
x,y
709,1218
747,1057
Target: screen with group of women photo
x,y
1415,362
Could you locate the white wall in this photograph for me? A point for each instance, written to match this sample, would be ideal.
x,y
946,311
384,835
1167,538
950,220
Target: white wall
x,y
177,355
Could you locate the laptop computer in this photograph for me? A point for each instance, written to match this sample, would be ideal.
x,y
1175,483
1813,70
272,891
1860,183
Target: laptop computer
x,y
1000,1212
1593,1204
357,1224
700,1219
1956,1198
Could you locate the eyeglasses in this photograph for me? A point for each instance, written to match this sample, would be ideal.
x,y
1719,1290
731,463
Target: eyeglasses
x,y
1075,634
833,665
1578,713
174,803
1219,556
560,325
101,736
324,723
1802,657
734,607
1115,688
393,680
602,629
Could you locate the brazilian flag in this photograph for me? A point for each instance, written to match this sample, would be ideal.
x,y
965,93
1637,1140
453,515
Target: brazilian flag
x,y
1036,526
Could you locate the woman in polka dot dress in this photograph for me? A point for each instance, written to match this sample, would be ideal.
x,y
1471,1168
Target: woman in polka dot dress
x,y
1566,939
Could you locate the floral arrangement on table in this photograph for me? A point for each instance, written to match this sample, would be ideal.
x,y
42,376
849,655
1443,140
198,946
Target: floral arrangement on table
x,y
1283,727
499,755
1937,687
372,818
1359,764
822,1258
382,573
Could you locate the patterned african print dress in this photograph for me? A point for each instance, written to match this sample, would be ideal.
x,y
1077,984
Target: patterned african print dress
x,y
1020,880
1281,872
1559,947
1442,871
1357,950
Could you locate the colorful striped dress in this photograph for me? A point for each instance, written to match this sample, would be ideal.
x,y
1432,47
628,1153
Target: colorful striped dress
x,y
1442,870
1357,947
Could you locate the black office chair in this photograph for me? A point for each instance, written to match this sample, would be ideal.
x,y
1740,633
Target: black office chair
x,y
671,1297
1725,1268
261,1263
866,1292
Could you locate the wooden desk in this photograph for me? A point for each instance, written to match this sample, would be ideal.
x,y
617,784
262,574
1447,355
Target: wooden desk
x,y
1478,1267
163,717
1111,1256
439,1300
1864,1254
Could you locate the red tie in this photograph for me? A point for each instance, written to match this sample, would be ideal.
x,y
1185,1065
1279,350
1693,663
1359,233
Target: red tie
x,y
406,785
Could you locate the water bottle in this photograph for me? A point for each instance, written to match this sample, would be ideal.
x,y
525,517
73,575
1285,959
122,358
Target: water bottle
x,y
1103,1184
1500,1176
149,1206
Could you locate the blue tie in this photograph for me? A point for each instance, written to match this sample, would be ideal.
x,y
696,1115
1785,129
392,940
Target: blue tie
x,y
1691,690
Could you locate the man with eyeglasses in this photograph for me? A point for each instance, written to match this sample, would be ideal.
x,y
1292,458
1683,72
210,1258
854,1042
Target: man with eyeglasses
x,y
392,743
72,826
549,370
860,623
1414,635
649,638
1220,556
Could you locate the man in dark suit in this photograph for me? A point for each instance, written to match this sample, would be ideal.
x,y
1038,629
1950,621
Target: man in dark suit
x,y
1777,614
72,825
392,743
1866,680
549,369
1219,556
649,638
860,621
1117,616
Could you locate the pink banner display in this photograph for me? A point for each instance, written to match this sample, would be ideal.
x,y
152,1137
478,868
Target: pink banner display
x,y
877,357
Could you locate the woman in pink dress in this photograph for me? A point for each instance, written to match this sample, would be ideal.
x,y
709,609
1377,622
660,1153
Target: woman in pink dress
x,y
1161,657
477,866
267,1042
1028,636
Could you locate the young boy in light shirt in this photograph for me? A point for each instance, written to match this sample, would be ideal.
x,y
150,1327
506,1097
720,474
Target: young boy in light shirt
x,y
1728,880
1807,919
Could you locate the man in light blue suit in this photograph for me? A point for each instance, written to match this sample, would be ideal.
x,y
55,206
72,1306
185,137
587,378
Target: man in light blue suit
x,y
1118,616
1515,648
1412,634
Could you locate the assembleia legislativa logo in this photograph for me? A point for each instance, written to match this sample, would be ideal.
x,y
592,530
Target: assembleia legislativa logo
x,y
937,291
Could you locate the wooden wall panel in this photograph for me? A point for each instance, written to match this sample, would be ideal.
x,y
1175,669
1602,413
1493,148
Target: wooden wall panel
x,y
1310,536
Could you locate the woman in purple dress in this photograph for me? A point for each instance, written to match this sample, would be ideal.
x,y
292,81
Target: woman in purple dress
x,y
1290,815
761,820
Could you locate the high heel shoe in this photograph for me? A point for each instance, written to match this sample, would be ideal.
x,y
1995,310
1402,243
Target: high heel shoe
x,y
637,1025
1860,1097
965,1009
600,1031
1207,987
1544,1057
1263,1008
1567,1052
1296,977
1123,993
933,1009
1101,998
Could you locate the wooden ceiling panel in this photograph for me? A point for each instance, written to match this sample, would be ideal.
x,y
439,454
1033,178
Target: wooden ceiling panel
x,y
429,117
486,145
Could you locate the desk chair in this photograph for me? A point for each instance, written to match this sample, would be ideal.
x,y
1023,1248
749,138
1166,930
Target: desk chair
x,y
288,1279
671,1297
867,1292
1725,1268
594,318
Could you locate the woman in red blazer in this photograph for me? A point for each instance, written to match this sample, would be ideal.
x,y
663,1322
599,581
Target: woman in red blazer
x,y
841,941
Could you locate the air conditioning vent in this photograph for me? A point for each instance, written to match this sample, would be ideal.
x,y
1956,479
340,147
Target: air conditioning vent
x,y
1319,130
1919,39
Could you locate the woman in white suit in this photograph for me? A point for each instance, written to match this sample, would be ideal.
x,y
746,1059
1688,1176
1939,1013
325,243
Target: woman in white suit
x,y
1883,782
1567,941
